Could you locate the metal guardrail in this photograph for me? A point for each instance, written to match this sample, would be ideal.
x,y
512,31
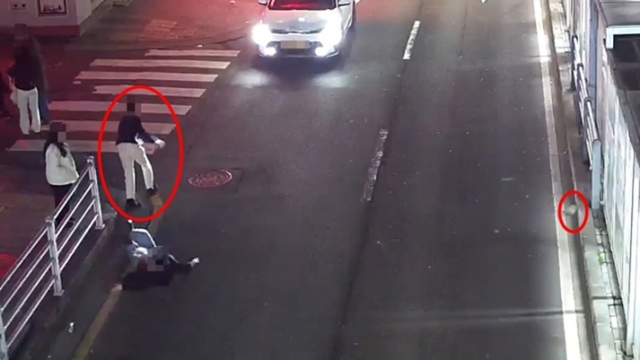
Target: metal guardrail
x,y
587,124
29,280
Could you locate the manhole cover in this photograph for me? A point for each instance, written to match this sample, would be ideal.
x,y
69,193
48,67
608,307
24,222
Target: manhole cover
x,y
211,179
6,262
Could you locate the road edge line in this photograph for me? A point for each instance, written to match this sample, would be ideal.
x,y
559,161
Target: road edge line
x,y
86,344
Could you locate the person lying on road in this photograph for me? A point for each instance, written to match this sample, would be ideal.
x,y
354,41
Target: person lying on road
x,y
150,264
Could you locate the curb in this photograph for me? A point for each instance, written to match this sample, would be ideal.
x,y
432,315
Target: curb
x,y
36,334
220,38
602,302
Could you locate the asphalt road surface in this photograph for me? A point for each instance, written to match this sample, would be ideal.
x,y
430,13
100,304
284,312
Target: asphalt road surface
x,y
456,255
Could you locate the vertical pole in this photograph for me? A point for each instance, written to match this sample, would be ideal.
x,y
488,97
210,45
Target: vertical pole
x,y
592,60
4,348
53,255
572,46
596,175
632,311
95,193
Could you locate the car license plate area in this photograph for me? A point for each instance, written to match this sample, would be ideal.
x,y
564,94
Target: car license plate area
x,y
295,45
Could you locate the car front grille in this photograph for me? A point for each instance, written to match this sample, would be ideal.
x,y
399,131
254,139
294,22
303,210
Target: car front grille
x,y
302,32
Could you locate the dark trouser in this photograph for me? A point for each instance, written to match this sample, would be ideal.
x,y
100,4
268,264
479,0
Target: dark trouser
x,y
176,267
4,111
4,89
43,106
59,192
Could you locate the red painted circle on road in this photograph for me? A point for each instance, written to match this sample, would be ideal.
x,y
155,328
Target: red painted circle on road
x,y
211,179
176,184
586,211
6,262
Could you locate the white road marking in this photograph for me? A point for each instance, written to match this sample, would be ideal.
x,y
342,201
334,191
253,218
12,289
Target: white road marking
x,y
76,146
111,126
203,53
166,91
201,64
570,318
412,39
101,106
135,76
372,175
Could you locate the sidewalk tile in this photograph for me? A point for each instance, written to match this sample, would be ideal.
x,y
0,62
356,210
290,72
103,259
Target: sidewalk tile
x,y
160,22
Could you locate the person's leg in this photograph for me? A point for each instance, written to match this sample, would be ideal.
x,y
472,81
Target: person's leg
x,y
22,98
4,89
127,162
4,110
147,171
64,189
59,191
43,105
35,110
181,268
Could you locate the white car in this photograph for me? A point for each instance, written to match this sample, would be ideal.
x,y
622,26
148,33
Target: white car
x,y
303,28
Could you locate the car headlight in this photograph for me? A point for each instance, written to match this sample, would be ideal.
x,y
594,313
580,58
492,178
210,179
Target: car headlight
x,y
261,34
331,35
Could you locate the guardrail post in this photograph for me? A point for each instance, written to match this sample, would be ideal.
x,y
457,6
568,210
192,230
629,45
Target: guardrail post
x,y
4,348
596,175
53,255
572,40
95,192
592,60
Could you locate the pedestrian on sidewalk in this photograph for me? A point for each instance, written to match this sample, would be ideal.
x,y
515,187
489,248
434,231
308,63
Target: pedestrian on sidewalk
x,y
60,168
35,53
131,137
5,92
150,264
24,75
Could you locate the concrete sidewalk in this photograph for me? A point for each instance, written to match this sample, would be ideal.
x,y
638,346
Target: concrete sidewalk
x,y
25,201
161,24
603,302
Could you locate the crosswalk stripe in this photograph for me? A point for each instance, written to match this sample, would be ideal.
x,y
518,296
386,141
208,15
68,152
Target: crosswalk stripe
x,y
76,146
160,76
111,126
102,106
166,91
210,53
202,64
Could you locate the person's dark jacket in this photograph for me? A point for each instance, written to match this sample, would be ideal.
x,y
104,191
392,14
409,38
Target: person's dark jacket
x,y
23,73
35,53
130,128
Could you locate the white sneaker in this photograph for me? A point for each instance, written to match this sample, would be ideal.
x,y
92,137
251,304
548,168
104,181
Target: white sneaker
x,y
194,261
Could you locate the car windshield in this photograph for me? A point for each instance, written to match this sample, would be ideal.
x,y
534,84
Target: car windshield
x,y
302,4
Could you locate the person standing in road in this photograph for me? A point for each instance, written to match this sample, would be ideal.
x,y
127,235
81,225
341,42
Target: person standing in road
x,y
131,137
61,171
24,75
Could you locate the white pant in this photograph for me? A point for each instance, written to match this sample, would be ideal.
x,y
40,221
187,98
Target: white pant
x,y
129,155
28,101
